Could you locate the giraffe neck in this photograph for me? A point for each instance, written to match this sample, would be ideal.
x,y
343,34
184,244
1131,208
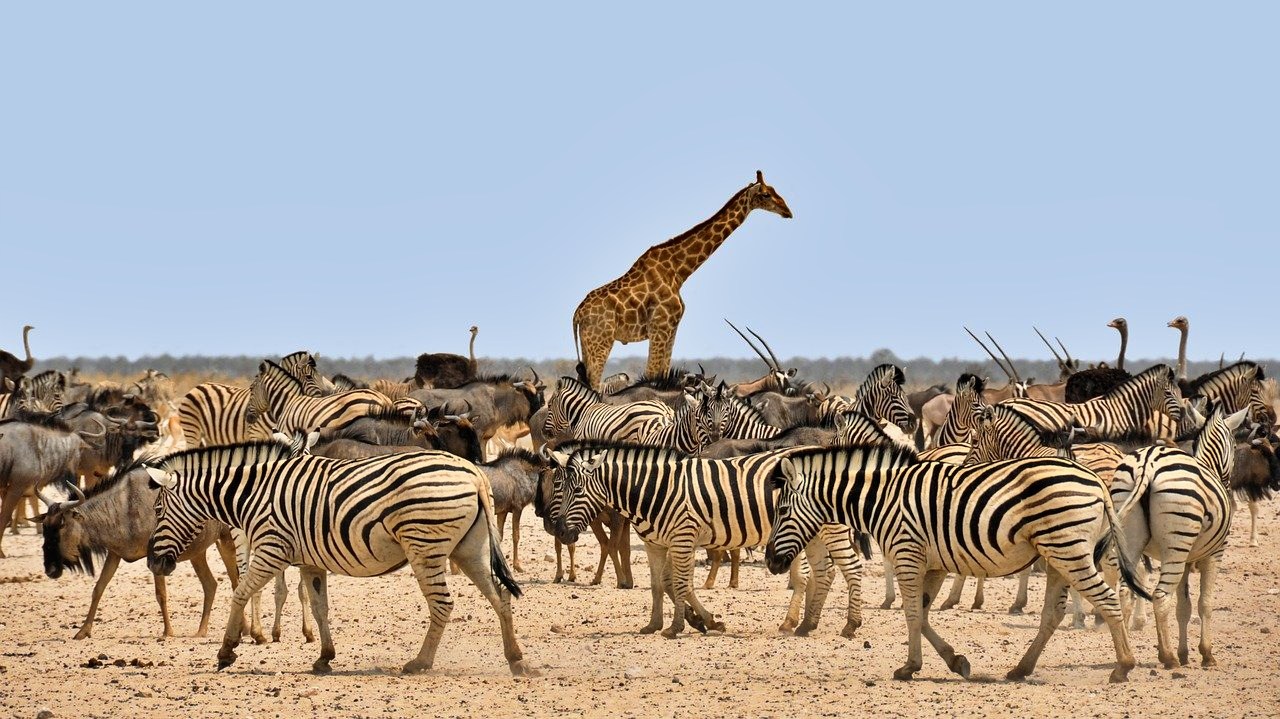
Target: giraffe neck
x,y
677,258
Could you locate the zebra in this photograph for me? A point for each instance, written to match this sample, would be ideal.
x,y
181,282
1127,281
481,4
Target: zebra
x,y
38,395
958,427
1233,388
932,518
360,518
1176,508
881,395
693,427
576,411
212,413
302,365
677,504
280,398
1122,411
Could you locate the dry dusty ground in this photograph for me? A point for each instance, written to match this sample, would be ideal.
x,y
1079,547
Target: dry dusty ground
x,y
596,664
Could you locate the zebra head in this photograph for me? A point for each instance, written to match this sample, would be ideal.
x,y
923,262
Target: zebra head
x,y
175,528
576,506
1215,448
797,518
564,406
881,396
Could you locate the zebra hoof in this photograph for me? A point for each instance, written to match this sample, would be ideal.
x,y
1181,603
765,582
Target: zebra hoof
x,y
558,579
717,627
1208,662
259,638
946,605
626,585
1015,610
670,633
805,629
960,665
850,629
1119,675
275,635
308,637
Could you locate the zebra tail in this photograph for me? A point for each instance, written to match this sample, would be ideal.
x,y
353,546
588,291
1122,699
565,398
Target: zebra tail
x,y
497,563
1113,536
864,543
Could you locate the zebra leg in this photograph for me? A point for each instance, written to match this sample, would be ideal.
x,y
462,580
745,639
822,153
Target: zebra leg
x,y
735,561
304,601
1077,610
319,581
1020,601
1055,608
573,554
888,585
657,563
679,574
953,597
281,595
104,578
162,598
606,548
1172,574
1088,581
798,580
622,552
267,562
476,558
979,593
1208,577
957,663
909,573
820,575
714,559
209,586
1253,523
845,557
429,570
1184,616
255,605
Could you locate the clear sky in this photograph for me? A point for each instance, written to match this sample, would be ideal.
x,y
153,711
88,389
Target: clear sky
x,y
372,179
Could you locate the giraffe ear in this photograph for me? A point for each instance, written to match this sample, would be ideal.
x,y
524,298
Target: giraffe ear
x,y
759,177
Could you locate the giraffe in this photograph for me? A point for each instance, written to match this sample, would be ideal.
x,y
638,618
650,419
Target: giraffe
x,y
644,303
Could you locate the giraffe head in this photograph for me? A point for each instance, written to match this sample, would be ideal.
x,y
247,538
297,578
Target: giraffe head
x,y
765,197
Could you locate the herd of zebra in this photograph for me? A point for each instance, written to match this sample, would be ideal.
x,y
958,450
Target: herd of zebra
x,y
334,475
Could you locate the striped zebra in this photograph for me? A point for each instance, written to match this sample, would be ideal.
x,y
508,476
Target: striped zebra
x,y
693,426
359,518
38,395
1233,388
279,397
1123,411
881,395
212,413
677,504
576,411
302,365
1176,508
932,518
958,427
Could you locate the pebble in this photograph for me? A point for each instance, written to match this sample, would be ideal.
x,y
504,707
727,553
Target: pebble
x,y
1178,675
557,629
1265,630
44,713
633,673
145,694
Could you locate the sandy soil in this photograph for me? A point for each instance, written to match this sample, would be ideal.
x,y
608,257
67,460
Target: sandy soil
x,y
585,642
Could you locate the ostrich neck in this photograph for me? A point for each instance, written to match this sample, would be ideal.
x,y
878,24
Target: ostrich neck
x,y
472,350
1182,354
1124,343
26,343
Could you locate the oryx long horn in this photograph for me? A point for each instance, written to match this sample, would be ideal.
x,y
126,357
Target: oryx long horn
x,y
776,364
751,345
990,354
1064,349
1046,344
1012,369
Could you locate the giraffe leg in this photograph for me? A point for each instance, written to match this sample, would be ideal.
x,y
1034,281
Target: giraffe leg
x,y
597,343
663,322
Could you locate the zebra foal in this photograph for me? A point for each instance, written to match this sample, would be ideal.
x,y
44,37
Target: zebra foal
x,y
359,518
931,519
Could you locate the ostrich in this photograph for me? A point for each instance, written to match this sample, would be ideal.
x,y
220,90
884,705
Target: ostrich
x,y
1181,324
1097,381
472,349
11,367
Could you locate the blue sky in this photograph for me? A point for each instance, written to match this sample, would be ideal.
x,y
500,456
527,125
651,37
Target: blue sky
x,y
373,179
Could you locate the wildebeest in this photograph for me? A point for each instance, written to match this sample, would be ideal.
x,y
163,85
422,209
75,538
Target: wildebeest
x,y
35,454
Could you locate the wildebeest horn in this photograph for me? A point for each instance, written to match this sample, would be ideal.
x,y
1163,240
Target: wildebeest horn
x,y
75,489
752,345
536,379
701,372
776,364
48,501
103,429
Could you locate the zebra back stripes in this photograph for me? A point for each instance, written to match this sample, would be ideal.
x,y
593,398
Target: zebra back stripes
x,y
1124,410
1233,388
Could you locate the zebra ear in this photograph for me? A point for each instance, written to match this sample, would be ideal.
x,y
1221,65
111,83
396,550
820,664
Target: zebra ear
x,y
786,474
1234,421
312,439
161,479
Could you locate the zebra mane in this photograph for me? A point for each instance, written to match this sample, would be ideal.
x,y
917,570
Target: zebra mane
x,y
227,455
1195,386
979,384
863,423
1054,438
266,367
671,379
389,415
126,466
573,383
897,454
1151,371
656,453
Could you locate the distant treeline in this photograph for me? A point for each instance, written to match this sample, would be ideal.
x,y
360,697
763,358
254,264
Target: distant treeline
x,y
836,371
